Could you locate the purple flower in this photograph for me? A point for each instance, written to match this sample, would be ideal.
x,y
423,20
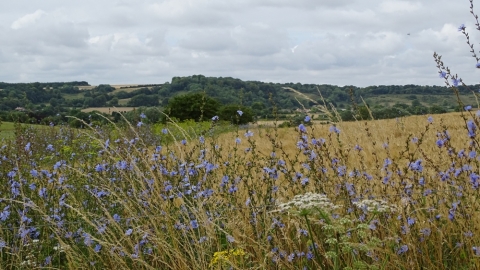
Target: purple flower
x,y
440,143
128,232
240,112
50,148
97,248
471,128
402,249
27,147
455,82
194,224
302,128
5,213
230,239
87,239
416,166
307,119
143,116
116,217
468,108
249,134
442,74
462,27
304,181
334,129
477,65
42,193
139,124
430,119
410,221
426,231
215,118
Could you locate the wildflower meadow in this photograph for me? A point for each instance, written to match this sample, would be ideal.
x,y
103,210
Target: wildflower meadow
x,y
379,194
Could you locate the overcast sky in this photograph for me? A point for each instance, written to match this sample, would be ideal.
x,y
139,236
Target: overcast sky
x,y
340,42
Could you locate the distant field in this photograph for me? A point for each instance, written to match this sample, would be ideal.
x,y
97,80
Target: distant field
x,y
7,130
123,101
118,87
109,109
426,100
73,96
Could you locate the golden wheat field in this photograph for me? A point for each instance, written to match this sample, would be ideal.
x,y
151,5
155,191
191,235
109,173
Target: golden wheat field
x,y
382,194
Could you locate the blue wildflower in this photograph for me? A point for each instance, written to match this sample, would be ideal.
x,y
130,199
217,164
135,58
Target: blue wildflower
x,y
307,119
461,27
215,118
442,74
455,82
27,147
476,250
128,232
194,224
240,112
43,193
471,128
304,181
5,213
249,134
334,129
302,128
410,221
402,249
468,108
143,116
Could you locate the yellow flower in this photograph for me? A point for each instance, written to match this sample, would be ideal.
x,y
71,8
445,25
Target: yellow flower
x,y
225,256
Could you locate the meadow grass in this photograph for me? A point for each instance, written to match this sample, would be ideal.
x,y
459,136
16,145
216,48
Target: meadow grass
x,y
383,194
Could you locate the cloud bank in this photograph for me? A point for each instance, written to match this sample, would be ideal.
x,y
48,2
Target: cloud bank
x,y
308,41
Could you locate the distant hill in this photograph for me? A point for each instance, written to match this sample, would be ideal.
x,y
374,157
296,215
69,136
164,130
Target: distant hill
x,y
60,97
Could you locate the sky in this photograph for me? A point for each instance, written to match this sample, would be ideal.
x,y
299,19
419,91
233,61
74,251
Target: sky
x,y
338,42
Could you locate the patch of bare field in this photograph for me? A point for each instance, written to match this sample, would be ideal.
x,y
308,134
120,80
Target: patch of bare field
x,y
108,110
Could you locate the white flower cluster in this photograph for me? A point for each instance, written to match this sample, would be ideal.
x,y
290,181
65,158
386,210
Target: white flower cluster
x,y
308,201
377,205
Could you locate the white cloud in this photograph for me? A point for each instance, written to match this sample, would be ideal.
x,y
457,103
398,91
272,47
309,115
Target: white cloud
x,y
399,6
28,19
340,42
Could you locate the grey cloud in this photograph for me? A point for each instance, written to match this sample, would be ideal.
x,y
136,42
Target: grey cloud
x,y
309,41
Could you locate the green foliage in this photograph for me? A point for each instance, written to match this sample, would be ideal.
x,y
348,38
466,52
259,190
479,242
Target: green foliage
x,y
230,113
143,100
195,106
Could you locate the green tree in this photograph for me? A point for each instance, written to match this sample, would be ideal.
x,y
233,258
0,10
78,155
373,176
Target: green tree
x,y
143,100
231,113
195,106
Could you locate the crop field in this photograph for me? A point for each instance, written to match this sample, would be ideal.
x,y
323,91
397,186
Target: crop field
x,y
108,110
7,130
382,194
